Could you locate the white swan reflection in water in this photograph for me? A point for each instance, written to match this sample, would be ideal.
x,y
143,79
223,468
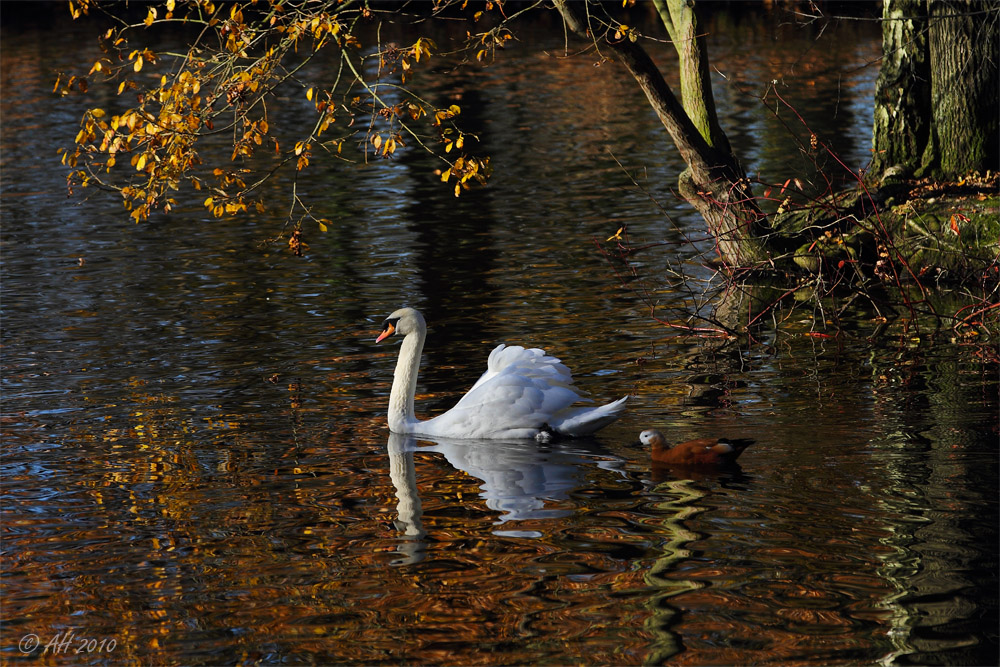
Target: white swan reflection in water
x,y
518,477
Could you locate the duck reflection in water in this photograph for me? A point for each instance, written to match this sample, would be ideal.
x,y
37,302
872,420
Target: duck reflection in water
x,y
518,477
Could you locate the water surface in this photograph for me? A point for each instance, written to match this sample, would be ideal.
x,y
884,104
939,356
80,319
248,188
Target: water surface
x,y
195,459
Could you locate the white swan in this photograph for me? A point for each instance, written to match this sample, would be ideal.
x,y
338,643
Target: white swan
x,y
524,393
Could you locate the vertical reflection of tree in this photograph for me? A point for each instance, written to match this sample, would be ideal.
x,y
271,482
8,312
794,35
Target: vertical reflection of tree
x,y
940,505
681,506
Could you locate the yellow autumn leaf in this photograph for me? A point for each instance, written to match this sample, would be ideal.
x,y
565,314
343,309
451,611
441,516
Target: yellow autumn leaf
x,y
138,64
141,162
309,94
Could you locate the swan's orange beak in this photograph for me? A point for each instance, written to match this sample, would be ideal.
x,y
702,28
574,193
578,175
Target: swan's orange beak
x,y
388,331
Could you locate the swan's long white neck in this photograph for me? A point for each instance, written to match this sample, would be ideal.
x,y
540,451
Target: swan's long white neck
x,y
404,383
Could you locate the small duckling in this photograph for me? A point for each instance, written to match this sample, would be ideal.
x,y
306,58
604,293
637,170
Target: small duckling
x,y
703,452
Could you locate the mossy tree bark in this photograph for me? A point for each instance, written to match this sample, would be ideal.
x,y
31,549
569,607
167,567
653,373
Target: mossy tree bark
x,y
714,181
963,37
935,99
681,21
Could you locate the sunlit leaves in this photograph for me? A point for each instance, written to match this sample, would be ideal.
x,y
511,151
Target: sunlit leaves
x,y
445,114
140,57
302,151
625,32
79,8
465,170
103,65
424,46
230,197
225,85
387,147
490,41
70,85
297,244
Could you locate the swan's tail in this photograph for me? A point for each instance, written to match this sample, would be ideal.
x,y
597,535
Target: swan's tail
x,y
584,421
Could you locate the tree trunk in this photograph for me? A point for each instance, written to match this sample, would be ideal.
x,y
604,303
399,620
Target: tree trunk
x,y
714,182
963,40
680,19
902,92
935,99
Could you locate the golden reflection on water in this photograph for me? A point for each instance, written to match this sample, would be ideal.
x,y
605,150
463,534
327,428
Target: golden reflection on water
x,y
211,535
196,463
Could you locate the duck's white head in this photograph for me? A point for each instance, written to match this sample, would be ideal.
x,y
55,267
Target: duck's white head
x,y
652,437
403,321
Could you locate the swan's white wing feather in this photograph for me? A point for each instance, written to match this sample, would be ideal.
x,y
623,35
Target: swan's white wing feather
x,y
492,365
522,362
519,392
583,421
507,405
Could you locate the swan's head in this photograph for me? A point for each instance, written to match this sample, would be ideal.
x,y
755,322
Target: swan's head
x,y
403,321
652,437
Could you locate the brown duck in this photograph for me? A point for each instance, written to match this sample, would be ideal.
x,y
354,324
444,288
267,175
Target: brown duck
x,y
700,453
